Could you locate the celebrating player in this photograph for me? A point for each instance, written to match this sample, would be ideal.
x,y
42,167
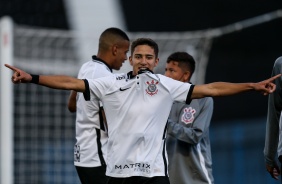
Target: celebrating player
x,y
137,105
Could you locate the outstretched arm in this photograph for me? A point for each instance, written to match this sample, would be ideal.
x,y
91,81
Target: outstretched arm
x,y
226,89
54,81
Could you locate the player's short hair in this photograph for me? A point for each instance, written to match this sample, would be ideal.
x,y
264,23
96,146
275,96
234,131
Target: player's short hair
x,y
115,31
185,60
111,36
145,41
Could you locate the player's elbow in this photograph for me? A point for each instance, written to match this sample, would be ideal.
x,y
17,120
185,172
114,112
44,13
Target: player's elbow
x,y
72,109
72,102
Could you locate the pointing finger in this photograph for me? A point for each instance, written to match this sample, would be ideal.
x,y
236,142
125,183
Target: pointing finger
x,y
274,77
11,67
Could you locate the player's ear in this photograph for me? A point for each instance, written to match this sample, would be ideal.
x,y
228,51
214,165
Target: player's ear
x,y
187,76
157,62
114,49
130,61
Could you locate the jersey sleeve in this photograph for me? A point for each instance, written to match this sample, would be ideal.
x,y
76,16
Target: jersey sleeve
x,y
180,91
97,88
203,109
86,93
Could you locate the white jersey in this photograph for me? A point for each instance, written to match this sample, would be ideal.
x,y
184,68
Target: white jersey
x,y
137,109
91,140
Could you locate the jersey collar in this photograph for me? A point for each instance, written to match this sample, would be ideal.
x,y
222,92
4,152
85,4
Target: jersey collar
x,y
98,60
131,76
145,71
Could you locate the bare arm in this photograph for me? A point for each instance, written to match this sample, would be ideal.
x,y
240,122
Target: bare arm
x,y
51,81
227,89
72,101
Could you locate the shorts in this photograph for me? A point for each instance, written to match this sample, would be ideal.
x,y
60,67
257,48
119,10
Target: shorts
x,y
92,175
139,180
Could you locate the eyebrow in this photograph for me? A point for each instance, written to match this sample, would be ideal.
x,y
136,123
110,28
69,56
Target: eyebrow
x,y
144,55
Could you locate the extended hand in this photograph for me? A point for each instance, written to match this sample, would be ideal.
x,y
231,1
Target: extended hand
x,y
19,76
267,86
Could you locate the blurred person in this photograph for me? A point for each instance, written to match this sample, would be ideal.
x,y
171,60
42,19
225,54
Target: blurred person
x,y
273,136
91,134
188,143
137,106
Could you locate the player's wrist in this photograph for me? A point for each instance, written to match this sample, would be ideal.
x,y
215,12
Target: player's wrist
x,y
34,78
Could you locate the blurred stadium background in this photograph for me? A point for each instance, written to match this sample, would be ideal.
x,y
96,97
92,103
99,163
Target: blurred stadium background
x,y
235,41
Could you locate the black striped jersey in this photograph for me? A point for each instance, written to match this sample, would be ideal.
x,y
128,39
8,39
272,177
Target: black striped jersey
x,y
137,108
91,139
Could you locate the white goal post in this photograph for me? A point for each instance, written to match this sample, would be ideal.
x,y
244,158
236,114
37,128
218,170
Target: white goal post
x,y
6,99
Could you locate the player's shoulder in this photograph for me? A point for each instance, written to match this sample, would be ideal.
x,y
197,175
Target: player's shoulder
x,y
278,61
86,63
164,78
205,100
167,81
93,65
86,66
202,103
208,100
94,70
277,67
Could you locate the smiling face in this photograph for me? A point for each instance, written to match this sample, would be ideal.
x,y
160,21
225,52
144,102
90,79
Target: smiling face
x,y
143,57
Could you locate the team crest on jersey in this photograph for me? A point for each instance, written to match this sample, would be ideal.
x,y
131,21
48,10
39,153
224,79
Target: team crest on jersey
x,y
188,115
152,87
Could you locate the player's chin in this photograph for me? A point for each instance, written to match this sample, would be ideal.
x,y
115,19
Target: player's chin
x,y
117,67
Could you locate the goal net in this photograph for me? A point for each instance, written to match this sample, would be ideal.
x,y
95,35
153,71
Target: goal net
x,y
43,129
39,148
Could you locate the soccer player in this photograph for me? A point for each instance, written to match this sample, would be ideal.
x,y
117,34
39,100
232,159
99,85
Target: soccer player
x,y
187,142
91,136
273,136
137,105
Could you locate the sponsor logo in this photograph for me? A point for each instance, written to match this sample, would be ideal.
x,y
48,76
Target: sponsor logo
x,y
152,87
140,167
120,77
188,115
123,89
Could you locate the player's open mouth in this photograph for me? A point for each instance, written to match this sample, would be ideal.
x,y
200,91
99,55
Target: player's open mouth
x,y
143,68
